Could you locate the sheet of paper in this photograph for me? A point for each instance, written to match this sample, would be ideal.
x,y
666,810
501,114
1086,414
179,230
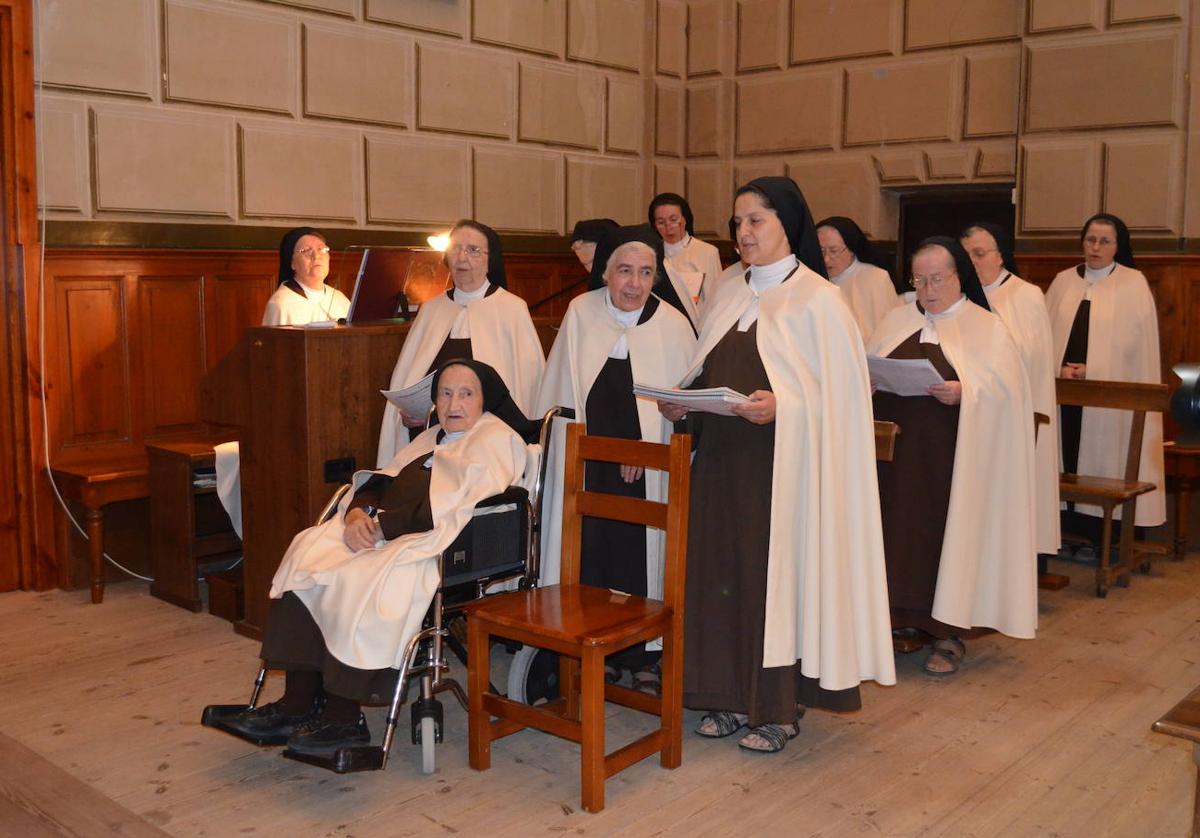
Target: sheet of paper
x,y
717,400
903,376
415,400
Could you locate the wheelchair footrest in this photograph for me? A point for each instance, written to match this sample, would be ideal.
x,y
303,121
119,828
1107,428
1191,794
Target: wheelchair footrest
x,y
343,760
220,716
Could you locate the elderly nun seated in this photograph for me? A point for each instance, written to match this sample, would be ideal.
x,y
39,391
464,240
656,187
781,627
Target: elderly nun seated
x,y
352,591
957,499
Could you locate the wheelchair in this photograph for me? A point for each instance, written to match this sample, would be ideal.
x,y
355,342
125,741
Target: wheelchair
x,y
498,548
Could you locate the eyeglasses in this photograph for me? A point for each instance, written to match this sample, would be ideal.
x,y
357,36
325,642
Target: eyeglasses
x,y
473,251
1103,242
832,251
314,252
979,252
934,281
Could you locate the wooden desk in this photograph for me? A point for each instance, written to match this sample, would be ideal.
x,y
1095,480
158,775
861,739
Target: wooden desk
x,y
1183,722
1182,472
187,523
94,485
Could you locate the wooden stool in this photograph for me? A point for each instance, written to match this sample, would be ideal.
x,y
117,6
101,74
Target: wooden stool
x,y
1183,721
1182,472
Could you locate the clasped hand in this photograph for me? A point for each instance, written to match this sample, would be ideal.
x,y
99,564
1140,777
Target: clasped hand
x,y
362,531
760,409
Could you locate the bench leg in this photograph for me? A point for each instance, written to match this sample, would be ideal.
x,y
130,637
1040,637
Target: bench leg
x,y
95,535
1183,492
1105,550
1196,796
479,734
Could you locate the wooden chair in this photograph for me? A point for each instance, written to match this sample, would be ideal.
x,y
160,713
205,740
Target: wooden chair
x,y
1107,492
885,440
585,624
1183,722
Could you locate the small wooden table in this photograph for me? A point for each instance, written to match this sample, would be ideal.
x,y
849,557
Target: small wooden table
x,y
95,485
1182,472
1183,721
186,522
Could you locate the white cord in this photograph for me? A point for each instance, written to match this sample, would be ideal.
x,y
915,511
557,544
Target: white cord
x,y
37,58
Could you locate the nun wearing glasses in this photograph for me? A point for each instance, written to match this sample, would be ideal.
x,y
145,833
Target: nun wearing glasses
x,y
302,296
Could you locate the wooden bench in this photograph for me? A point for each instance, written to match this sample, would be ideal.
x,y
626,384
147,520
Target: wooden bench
x,y
885,440
1183,722
1182,472
1107,492
94,485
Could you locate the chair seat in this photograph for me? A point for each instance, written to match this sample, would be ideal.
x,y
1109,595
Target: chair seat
x,y
1075,488
578,614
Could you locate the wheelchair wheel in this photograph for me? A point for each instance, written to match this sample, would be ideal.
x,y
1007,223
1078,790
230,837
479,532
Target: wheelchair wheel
x,y
533,676
428,745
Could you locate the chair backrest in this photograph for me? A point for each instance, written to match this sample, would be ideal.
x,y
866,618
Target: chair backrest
x,y
1118,395
885,440
671,517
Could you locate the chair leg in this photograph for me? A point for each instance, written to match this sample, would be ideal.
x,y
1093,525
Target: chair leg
x,y
1102,559
479,738
568,685
1125,549
592,739
671,711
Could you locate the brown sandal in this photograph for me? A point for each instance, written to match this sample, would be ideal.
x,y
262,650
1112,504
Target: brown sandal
x,y
946,657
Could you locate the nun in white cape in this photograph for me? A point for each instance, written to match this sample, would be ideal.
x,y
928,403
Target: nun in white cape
x,y
786,588
656,342
487,323
1119,327
986,557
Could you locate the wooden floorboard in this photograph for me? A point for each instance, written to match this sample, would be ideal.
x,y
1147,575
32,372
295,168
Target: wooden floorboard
x,y
1040,737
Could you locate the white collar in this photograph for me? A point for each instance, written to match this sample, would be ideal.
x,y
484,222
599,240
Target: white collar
x,y
844,275
1098,274
929,332
314,294
461,296
765,277
997,282
626,320
672,249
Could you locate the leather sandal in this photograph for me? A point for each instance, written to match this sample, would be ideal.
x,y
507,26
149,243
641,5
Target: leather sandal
x,y
772,738
946,657
648,680
718,725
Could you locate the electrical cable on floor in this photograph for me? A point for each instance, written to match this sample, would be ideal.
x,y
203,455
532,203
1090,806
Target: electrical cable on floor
x,y
37,62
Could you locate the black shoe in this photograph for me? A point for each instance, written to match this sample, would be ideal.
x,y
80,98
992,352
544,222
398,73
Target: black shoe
x,y
266,723
320,736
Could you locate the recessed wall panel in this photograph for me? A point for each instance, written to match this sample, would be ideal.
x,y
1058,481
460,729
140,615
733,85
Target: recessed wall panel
x,y
561,105
447,72
760,25
822,30
1059,185
518,191
534,25
417,181
668,119
1142,176
626,114
1056,15
993,82
608,32
111,52
707,122
902,102
292,173
598,188
1134,11
671,52
448,17
351,73
63,152
943,23
706,35
786,113
710,195
838,185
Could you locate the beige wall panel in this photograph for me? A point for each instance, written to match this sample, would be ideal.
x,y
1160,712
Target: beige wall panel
x,y
113,51
707,118
993,90
710,195
900,166
518,191
63,151
1142,178
941,23
669,177
917,100
446,72
608,32
951,164
337,7
1060,184
1139,78
626,114
672,38
446,16
668,119
163,162
706,37
535,25
561,105
417,182
785,113
218,56
357,74
838,185
1129,11
289,172
747,171
822,30
598,188
1055,15
996,160
762,29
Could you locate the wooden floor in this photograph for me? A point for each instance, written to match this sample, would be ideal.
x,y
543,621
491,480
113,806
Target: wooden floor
x,y
1043,737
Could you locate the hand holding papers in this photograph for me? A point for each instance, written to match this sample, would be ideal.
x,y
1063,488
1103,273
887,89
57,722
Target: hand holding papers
x,y
415,400
717,400
903,376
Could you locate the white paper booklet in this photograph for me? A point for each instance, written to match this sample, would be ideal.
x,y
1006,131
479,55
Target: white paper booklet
x,y
415,400
903,376
717,400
